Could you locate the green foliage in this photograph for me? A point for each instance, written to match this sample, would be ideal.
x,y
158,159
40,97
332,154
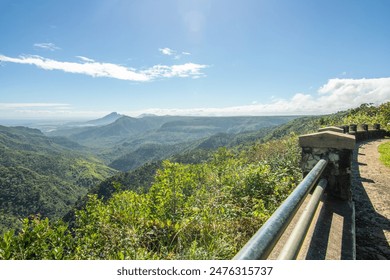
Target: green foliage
x,y
384,150
365,114
191,211
37,240
144,154
201,204
39,176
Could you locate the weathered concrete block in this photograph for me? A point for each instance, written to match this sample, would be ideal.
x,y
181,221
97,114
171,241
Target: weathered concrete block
x,y
328,139
337,149
331,128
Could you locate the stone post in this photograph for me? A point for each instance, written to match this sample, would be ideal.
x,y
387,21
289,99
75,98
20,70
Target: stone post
x,y
346,128
337,148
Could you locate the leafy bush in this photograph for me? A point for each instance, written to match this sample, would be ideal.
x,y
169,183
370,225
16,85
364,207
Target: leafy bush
x,y
204,209
365,114
192,211
38,239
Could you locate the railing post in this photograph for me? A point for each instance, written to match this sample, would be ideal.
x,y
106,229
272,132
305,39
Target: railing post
x,y
364,132
377,132
337,148
352,128
346,128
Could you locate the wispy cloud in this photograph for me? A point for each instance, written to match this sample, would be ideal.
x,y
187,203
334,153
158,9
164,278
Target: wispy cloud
x,y
167,51
46,111
86,59
30,110
102,69
31,105
47,46
183,71
174,53
335,95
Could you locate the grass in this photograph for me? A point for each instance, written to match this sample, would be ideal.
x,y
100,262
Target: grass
x,y
384,150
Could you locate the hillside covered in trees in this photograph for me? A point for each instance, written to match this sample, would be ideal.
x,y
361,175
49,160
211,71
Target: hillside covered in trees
x,y
42,175
47,173
203,203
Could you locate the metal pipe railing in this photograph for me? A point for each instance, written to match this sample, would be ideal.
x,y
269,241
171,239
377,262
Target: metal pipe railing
x,y
294,243
264,240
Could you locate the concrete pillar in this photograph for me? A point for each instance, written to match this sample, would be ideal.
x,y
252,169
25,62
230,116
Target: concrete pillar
x,y
337,148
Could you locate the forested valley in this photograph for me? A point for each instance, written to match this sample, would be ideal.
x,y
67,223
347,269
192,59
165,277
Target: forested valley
x,y
151,188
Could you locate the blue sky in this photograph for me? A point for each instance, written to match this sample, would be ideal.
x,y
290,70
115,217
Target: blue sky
x,y
85,59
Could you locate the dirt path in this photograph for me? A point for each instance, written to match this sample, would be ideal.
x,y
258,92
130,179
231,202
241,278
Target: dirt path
x,y
371,194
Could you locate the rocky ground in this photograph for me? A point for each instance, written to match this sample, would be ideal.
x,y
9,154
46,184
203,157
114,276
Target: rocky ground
x,y
371,194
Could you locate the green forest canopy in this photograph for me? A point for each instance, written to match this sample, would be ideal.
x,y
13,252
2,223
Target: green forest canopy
x,y
204,210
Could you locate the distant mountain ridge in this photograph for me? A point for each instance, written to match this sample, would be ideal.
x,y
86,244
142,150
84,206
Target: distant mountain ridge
x,y
125,128
110,118
121,127
128,142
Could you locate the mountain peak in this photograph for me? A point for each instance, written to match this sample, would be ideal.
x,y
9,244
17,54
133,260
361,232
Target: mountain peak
x,y
110,118
113,114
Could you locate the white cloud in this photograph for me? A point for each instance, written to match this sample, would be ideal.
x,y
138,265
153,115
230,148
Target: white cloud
x,y
174,53
336,95
47,46
31,105
86,59
101,69
46,111
167,51
355,91
183,71
33,110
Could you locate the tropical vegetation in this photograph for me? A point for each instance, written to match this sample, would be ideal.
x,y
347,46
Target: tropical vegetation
x,y
203,203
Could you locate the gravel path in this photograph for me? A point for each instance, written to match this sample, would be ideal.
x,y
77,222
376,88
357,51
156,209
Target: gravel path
x,y
371,194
